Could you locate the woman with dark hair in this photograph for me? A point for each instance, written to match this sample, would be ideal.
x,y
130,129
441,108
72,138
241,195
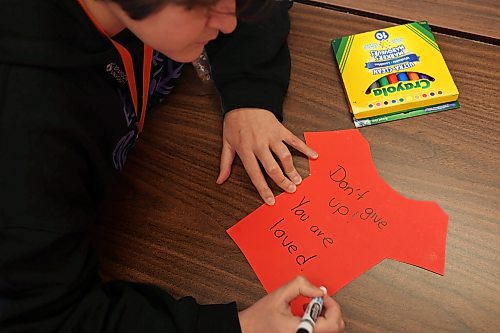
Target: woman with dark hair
x,y
76,80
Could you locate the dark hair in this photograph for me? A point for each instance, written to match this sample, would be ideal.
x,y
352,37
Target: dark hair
x,y
139,9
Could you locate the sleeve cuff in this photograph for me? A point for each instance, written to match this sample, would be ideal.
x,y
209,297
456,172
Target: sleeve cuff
x,y
219,318
253,94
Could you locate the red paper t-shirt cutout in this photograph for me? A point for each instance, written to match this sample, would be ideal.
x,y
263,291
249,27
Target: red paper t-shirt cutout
x,y
342,220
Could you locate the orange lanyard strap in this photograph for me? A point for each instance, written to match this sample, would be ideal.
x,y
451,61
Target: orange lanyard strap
x,y
146,70
129,69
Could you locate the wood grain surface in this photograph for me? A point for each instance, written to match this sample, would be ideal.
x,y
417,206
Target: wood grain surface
x,y
165,223
463,17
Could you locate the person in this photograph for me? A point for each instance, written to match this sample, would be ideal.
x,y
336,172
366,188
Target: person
x,y
76,80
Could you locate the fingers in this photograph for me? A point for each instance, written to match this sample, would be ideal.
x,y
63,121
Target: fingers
x,y
226,161
331,321
273,169
286,177
300,145
273,314
300,286
253,169
285,157
258,137
275,172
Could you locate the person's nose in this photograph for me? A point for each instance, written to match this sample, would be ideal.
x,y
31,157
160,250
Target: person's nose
x,y
223,16
225,23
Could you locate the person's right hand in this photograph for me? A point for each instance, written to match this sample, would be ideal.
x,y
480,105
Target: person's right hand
x,y
272,313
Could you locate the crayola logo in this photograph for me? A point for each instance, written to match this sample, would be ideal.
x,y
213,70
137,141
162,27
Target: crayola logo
x,y
402,86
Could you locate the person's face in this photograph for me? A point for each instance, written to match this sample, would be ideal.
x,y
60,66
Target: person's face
x,y
180,33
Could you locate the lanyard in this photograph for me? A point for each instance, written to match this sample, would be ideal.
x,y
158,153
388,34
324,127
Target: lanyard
x,y
129,68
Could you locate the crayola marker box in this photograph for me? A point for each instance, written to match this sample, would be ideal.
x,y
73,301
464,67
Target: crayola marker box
x,y
394,73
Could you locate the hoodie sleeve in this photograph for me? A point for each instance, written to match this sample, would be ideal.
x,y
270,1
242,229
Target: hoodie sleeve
x,y
48,188
251,66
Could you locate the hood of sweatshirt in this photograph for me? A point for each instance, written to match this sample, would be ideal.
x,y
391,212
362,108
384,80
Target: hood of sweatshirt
x,y
50,33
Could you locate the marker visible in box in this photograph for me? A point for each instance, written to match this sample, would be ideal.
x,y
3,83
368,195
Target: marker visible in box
x,y
394,70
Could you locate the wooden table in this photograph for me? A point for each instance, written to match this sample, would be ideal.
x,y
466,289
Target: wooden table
x,y
166,223
478,20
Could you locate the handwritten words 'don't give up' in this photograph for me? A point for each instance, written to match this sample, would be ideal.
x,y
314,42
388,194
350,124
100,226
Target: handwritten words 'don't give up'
x,y
342,220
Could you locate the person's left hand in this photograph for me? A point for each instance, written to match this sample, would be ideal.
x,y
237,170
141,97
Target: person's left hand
x,y
256,134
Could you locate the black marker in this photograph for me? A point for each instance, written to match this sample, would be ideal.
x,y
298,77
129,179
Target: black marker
x,y
311,314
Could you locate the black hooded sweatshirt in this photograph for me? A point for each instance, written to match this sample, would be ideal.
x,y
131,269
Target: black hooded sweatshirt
x,y
67,123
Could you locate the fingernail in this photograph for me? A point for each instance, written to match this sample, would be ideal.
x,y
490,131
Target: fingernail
x,y
314,155
297,180
291,188
270,201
